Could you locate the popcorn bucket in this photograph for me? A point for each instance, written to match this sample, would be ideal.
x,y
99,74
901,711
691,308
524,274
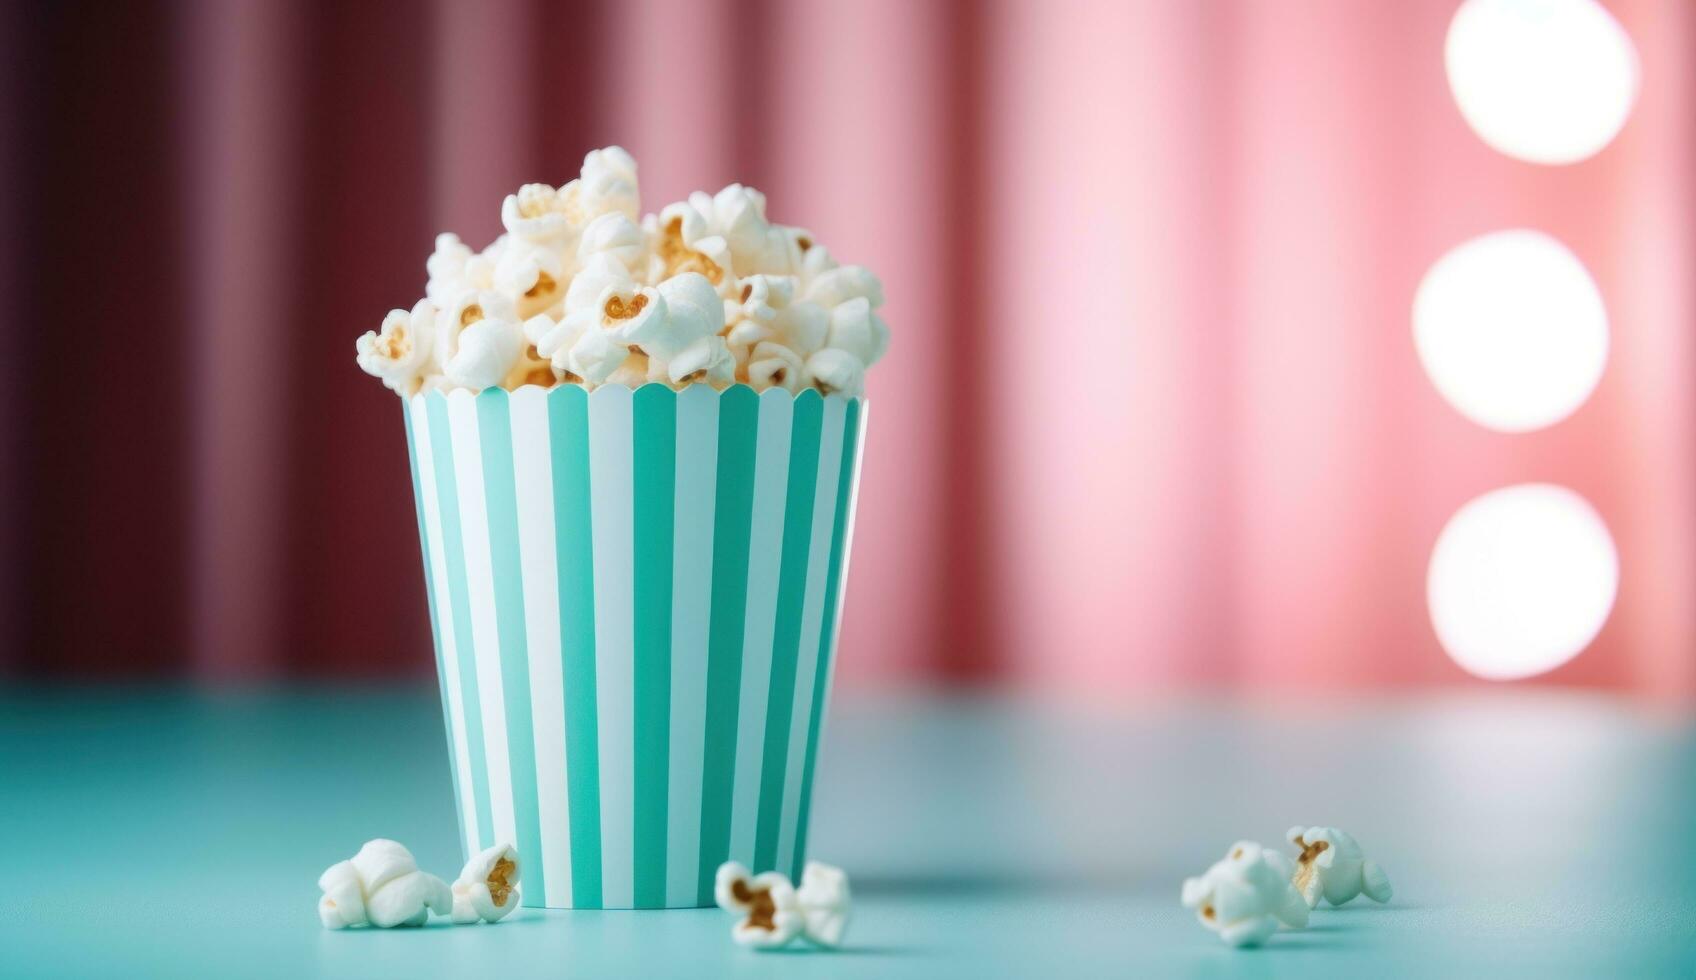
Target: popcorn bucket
x,y
635,599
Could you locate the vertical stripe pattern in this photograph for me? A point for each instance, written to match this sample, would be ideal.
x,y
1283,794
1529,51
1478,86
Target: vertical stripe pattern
x,y
635,598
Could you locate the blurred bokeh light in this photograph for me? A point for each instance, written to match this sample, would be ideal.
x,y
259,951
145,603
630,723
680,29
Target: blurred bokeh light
x,y
1511,329
1521,581
1544,81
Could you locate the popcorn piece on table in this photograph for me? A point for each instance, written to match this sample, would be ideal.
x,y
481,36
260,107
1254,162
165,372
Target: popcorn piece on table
x,y
771,915
774,911
1245,896
823,897
382,886
1331,864
399,354
487,888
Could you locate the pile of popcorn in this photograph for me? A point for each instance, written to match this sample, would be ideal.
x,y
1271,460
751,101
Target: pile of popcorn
x,y
582,289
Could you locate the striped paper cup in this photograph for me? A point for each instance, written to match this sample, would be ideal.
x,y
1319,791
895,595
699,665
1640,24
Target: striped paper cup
x,y
635,599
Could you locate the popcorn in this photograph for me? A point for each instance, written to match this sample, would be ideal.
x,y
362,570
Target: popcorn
x,y
1331,863
772,365
856,330
478,339
689,310
582,288
616,236
815,259
802,326
1244,897
542,215
771,914
684,242
382,886
823,897
760,298
598,272
532,277
773,911
446,268
487,888
597,356
836,286
707,359
835,371
609,183
400,352
531,369
633,372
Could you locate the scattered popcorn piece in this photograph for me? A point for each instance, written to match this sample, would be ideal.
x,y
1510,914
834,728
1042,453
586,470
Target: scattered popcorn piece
x,y
382,886
823,897
487,888
400,352
770,913
1331,864
1244,897
835,371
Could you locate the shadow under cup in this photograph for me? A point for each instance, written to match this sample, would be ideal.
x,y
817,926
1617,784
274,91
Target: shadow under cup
x,y
635,598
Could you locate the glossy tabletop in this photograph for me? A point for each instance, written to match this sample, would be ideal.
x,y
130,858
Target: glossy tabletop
x,y
1526,833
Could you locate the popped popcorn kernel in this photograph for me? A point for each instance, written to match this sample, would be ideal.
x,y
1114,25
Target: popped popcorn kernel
x,y
1331,863
1246,896
581,288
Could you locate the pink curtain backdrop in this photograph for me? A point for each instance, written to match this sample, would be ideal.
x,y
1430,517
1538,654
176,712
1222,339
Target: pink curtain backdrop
x,y
1153,416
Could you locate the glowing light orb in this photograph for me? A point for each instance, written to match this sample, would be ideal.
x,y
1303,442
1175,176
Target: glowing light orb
x,y
1544,81
1511,329
1521,581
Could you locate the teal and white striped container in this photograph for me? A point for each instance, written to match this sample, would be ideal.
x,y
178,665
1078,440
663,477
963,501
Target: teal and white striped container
x,y
635,597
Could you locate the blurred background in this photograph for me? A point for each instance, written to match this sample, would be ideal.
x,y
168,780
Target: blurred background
x,y
1157,415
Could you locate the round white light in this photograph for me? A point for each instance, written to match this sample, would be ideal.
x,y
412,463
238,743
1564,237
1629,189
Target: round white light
x,y
1511,329
1545,81
1521,581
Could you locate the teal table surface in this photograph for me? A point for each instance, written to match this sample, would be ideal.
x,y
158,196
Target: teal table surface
x,y
1527,833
